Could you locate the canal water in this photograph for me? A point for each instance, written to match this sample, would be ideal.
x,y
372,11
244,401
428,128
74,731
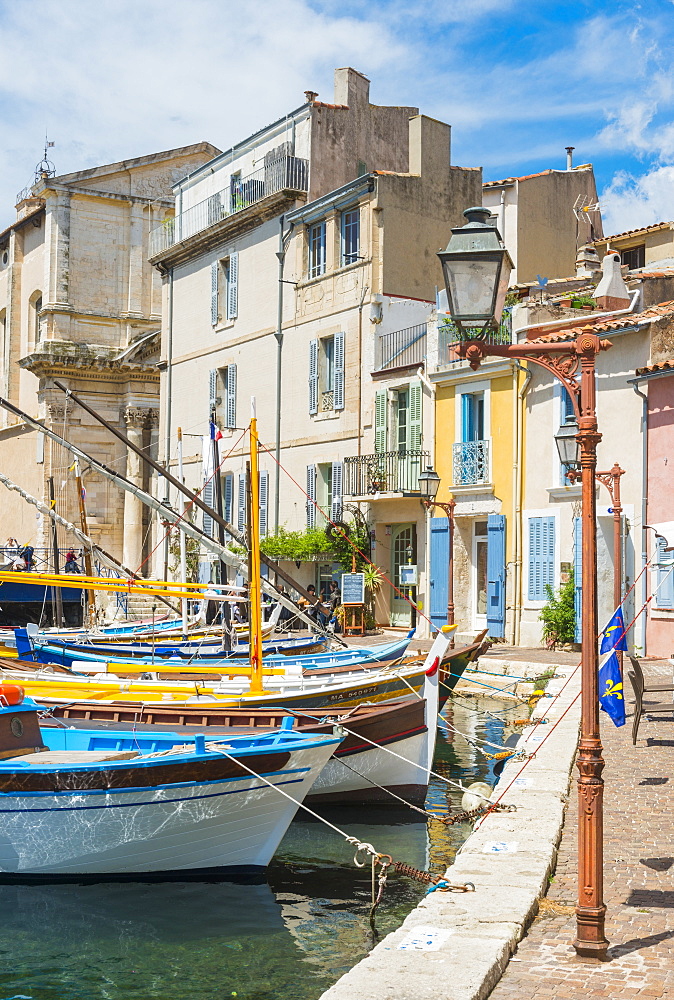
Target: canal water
x,y
288,937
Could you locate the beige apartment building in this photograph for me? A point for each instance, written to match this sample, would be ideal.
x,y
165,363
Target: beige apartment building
x,y
80,302
301,269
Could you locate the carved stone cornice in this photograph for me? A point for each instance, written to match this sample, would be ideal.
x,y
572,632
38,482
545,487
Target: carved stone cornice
x,y
141,416
57,411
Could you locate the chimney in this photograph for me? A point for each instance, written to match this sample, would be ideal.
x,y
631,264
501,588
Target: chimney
x,y
569,157
351,87
611,292
587,262
310,96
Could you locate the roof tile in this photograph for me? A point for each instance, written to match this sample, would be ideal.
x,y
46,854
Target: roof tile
x,y
660,366
635,319
634,232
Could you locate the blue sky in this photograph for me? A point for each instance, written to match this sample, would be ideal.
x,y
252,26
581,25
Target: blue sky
x,y
517,81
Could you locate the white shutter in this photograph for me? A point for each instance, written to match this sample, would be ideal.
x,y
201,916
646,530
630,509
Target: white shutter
x,y
338,395
230,419
233,287
229,491
380,408
264,503
311,496
207,497
313,376
241,504
212,390
336,511
215,269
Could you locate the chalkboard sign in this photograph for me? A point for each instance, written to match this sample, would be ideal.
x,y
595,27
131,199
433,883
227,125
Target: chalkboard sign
x,y
353,588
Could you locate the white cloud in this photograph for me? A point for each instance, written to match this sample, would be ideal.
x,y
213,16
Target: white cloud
x,y
632,202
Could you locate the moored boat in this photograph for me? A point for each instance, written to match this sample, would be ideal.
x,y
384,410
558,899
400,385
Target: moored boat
x,y
83,802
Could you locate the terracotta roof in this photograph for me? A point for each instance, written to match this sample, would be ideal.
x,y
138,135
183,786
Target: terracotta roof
x,y
634,232
571,332
337,107
661,366
528,177
666,272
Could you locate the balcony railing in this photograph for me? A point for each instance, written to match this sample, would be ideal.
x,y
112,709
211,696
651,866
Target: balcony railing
x,y
448,339
286,173
385,472
400,348
470,465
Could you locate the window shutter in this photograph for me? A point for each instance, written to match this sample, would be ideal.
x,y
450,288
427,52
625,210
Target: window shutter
x,y
229,495
215,268
664,597
212,390
241,504
541,556
233,287
336,511
414,436
438,578
207,497
264,503
380,408
230,419
311,496
313,376
496,574
577,578
338,395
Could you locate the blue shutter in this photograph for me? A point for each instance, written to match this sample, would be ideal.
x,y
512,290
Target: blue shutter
x,y
311,496
336,511
577,578
207,497
439,571
233,287
313,376
215,268
664,597
496,574
338,392
467,417
541,556
229,496
264,503
241,502
230,409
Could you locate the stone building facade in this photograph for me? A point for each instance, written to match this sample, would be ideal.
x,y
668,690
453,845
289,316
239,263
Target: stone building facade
x,y
80,302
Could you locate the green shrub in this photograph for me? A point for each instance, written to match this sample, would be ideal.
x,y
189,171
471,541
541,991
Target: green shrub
x,y
558,615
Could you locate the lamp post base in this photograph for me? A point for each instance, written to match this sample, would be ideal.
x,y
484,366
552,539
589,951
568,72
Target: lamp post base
x,y
590,941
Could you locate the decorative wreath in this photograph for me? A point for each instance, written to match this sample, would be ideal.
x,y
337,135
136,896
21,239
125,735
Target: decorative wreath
x,y
337,530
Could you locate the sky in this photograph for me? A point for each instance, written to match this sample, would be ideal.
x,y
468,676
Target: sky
x,y
517,80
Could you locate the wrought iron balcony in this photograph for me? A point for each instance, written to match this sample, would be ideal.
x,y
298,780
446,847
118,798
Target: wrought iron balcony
x,y
384,472
449,340
400,348
285,173
470,465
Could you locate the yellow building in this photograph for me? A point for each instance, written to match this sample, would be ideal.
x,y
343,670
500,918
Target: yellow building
x,y
478,443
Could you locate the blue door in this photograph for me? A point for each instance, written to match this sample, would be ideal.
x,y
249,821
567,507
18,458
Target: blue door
x,y
439,567
496,575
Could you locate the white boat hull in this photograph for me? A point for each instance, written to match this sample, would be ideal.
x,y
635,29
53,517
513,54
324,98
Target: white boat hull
x,y
236,823
357,776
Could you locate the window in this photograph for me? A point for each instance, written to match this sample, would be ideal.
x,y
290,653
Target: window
x,y
404,434
472,416
481,546
222,396
634,257
38,309
664,575
317,250
541,557
225,289
326,373
350,236
402,419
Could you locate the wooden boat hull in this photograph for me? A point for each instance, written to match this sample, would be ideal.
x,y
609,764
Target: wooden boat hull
x,y
198,812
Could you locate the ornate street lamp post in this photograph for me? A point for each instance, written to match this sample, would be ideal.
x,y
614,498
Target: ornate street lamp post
x,y
429,482
474,258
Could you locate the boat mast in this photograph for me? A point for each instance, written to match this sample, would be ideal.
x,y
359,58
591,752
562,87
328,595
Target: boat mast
x,y
57,597
255,605
88,568
183,536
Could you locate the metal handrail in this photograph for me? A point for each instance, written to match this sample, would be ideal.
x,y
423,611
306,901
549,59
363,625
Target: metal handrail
x,y
384,472
401,347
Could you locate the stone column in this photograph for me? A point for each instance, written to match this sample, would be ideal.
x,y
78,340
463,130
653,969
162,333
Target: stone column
x,y
136,419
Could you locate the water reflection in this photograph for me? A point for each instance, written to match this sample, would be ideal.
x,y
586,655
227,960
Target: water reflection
x,y
287,938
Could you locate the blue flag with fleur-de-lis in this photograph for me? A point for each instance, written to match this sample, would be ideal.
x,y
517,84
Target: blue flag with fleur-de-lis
x,y
611,698
613,636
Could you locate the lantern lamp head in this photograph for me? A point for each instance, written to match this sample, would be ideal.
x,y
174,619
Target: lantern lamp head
x,y
429,483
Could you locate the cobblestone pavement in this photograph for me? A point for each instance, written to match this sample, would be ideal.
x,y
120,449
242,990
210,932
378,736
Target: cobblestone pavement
x,y
638,879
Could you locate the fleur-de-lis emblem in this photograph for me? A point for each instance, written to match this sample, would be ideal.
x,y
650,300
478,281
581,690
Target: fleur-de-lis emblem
x,y
613,689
